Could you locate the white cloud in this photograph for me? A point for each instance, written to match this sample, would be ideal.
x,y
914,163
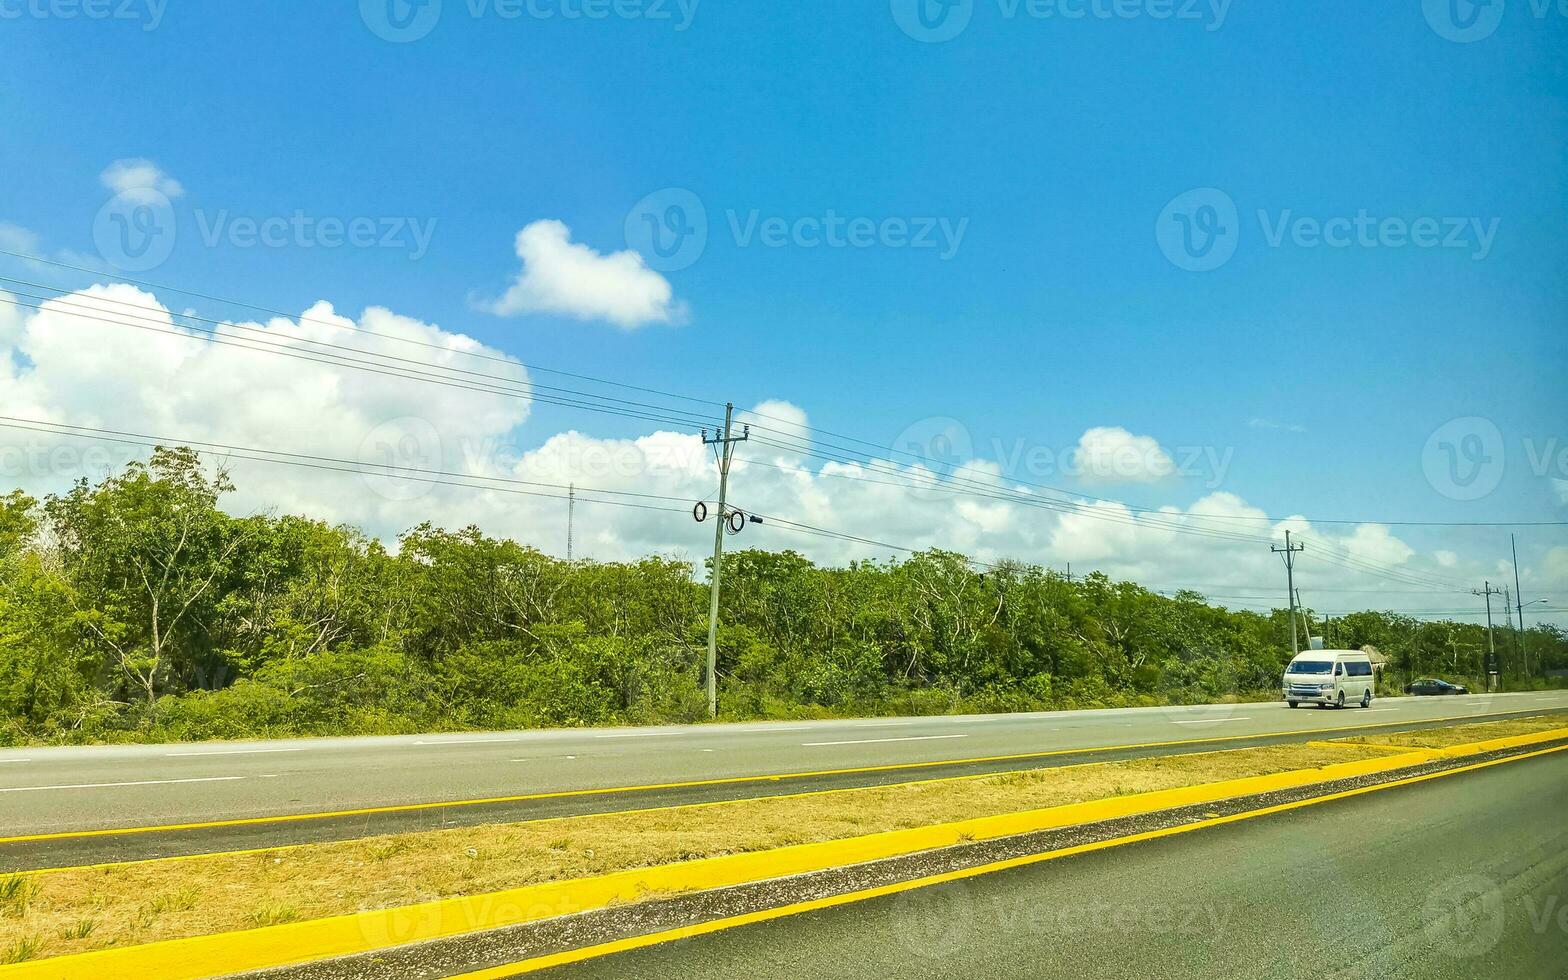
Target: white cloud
x,y
1111,454
1447,559
1373,542
15,238
57,365
133,176
1556,566
65,364
566,278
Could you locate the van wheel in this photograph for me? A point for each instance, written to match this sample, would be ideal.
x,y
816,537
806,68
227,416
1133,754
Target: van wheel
x,y
1339,702
1291,703
1366,699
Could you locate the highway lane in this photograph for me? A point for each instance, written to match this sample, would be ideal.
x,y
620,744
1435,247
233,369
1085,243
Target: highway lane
x,y
53,790
1462,876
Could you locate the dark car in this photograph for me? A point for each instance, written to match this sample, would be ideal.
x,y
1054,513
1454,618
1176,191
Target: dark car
x,y
1432,685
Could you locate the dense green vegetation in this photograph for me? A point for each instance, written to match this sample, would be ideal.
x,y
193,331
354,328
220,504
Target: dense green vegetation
x,y
137,609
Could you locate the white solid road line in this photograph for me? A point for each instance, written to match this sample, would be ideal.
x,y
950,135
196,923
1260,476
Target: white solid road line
x,y
13,761
640,734
140,782
194,755
1210,721
869,741
469,741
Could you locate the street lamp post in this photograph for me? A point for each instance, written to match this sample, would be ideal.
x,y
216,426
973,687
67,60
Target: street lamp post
x,y
1524,638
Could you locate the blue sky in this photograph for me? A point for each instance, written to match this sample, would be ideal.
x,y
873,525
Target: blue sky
x,y
1055,143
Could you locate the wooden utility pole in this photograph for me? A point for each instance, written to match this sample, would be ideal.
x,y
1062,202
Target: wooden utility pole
x,y
724,451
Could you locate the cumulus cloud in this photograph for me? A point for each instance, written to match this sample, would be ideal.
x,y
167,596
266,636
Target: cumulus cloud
x,y
1111,454
135,176
70,363
634,492
1556,566
567,278
1447,559
15,238
1374,542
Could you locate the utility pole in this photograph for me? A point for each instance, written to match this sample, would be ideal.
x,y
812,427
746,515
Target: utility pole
x,y
1508,618
1290,551
1519,604
1491,647
724,451
571,514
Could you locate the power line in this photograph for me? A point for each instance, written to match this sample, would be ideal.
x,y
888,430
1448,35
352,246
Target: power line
x,y
1064,506
355,327
284,347
318,462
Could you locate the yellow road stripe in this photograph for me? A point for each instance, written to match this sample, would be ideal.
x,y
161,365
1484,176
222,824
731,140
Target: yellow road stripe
x,y
618,813
538,963
323,939
731,780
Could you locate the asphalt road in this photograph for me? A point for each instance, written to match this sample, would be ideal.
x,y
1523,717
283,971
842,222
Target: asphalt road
x,y
53,790
1463,876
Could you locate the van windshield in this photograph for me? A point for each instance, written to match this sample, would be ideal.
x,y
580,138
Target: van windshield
x,y
1309,667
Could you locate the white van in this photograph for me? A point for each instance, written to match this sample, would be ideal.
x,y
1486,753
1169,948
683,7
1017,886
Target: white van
x,y
1329,677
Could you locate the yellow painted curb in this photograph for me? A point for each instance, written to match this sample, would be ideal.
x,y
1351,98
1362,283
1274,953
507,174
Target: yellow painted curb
x,y
302,942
